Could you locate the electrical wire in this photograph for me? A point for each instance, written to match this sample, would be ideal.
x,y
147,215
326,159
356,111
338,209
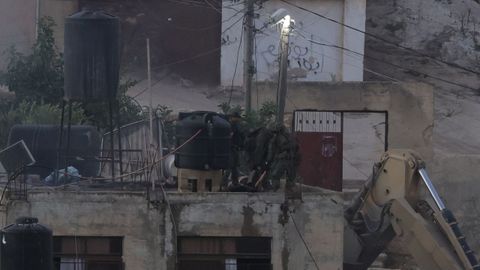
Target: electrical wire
x,y
213,7
236,65
350,64
233,24
146,88
303,240
383,39
188,59
409,70
202,53
83,179
211,26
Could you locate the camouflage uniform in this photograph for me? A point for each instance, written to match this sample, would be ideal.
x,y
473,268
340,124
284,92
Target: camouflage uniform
x,y
282,157
256,147
238,139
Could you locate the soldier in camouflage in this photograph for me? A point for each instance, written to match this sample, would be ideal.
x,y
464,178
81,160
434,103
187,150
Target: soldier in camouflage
x,y
282,157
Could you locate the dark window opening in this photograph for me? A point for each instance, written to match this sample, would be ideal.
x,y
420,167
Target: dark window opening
x,y
88,253
208,185
192,185
224,253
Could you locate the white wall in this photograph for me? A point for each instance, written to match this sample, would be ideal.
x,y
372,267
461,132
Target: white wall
x,y
308,61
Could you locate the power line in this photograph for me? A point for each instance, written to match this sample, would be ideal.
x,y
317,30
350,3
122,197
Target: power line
x,y
188,59
350,64
214,7
210,26
236,65
233,24
411,71
383,40
303,240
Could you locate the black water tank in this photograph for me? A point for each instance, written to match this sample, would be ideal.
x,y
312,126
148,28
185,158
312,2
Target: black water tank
x,y
42,141
26,245
91,55
210,149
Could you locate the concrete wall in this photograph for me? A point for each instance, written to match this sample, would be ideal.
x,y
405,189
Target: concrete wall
x,y
18,19
409,106
100,214
58,10
149,236
17,26
308,61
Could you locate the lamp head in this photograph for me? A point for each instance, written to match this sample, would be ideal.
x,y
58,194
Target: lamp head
x,y
278,16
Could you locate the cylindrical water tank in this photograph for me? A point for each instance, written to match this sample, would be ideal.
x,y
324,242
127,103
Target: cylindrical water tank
x,y
26,245
210,149
42,141
91,55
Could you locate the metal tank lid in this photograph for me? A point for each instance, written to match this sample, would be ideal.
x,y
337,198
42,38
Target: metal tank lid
x,y
26,220
92,15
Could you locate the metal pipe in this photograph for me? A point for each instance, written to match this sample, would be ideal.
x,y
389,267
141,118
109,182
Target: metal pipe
x,y
60,142
432,189
69,129
119,138
112,146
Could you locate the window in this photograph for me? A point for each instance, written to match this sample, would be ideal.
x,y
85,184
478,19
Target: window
x,y
88,253
192,185
224,253
208,185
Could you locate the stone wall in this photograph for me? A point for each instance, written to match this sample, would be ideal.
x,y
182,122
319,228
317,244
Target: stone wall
x,y
447,30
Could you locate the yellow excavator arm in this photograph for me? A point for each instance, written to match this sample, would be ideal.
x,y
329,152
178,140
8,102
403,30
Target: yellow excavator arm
x,y
399,200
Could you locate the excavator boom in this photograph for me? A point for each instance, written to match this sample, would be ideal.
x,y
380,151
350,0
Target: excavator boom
x,y
400,200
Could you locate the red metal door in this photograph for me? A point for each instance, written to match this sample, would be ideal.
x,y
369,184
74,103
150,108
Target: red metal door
x,y
320,139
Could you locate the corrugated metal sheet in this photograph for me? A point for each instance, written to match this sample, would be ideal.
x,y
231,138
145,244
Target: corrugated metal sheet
x,y
137,151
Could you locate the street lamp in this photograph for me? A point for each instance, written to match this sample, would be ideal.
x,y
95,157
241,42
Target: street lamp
x,y
282,19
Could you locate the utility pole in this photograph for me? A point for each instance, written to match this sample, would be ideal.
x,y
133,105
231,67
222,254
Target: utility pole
x,y
248,71
282,73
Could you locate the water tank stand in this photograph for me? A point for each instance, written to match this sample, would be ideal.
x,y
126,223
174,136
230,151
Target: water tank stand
x,y
112,105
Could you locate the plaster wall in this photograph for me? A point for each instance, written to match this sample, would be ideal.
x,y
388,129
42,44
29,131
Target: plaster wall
x,y
409,106
17,26
149,235
100,214
307,61
18,19
58,10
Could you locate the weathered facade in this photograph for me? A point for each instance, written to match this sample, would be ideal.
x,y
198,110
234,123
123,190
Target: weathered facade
x,y
149,236
409,106
308,61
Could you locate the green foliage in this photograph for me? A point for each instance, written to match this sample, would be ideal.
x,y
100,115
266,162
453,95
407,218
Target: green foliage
x,y
37,77
265,116
130,109
33,113
165,114
37,80
48,114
